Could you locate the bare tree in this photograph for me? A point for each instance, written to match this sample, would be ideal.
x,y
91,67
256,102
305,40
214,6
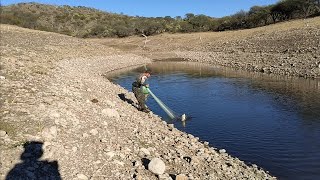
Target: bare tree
x,y
145,41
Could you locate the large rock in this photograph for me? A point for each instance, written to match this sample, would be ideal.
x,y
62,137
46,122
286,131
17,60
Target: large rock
x,y
157,166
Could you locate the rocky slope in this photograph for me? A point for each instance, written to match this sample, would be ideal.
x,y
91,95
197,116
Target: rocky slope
x,y
60,118
53,93
289,48
81,126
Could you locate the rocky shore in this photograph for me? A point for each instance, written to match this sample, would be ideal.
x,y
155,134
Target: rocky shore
x,y
286,49
53,95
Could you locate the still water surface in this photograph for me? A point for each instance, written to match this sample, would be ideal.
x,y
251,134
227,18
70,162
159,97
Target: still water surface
x,y
273,122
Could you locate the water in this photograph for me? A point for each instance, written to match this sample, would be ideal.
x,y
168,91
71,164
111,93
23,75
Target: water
x,y
273,122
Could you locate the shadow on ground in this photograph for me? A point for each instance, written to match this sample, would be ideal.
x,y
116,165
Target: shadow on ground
x,y
32,167
123,98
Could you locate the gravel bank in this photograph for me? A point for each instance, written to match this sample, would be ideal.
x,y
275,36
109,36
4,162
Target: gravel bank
x,y
53,92
288,48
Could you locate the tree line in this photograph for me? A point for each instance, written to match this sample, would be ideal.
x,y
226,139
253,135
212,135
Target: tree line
x,y
88,22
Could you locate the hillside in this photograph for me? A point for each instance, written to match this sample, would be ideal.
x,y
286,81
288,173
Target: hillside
x,y
73,21
52,92
60,118
88,22
288,48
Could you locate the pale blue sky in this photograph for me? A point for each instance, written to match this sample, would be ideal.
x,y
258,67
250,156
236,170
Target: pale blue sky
x,y
160,8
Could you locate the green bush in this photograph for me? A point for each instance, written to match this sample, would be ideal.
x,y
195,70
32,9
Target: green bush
x,y
88,22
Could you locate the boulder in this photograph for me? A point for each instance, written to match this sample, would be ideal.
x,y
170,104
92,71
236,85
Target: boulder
x,y
157,166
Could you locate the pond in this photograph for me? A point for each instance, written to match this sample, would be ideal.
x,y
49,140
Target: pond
x,y
270,121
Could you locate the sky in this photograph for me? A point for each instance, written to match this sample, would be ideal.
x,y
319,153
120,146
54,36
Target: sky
x,y
159,8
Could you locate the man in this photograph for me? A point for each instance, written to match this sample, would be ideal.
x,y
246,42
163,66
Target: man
x,y
137,89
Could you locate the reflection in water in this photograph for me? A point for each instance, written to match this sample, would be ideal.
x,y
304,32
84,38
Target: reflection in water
x,y
305,92
272,121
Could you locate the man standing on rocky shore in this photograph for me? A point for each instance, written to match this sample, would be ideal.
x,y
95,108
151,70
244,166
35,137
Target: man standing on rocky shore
x,y
140,94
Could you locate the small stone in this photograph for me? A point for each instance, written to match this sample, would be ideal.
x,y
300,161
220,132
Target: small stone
x,y
74,149
145,151
110,113
85,135
181,177
137,163
187,158
82,177
2,133
190,136
195,160
157,166
94,100
110,103
97,162
55,115
221,151
119,162
138,177
54,131
110,154
49,133
94,132
104,140
165,176
30,174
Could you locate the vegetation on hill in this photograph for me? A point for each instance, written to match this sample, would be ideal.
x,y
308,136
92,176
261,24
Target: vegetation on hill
x,y
88,22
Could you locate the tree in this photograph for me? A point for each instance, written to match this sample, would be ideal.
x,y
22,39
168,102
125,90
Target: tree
x,y
258,15
189,16
239,20
306,7
178,18
185,26
200,22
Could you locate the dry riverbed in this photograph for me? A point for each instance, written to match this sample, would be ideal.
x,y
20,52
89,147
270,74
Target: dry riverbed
x,y
53,92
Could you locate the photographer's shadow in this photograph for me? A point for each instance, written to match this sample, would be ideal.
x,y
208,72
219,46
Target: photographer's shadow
x,y
32,167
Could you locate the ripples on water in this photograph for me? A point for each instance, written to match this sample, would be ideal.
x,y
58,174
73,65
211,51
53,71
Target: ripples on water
x,y
270,121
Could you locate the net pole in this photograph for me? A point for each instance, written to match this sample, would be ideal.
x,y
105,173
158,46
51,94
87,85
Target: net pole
x,y
162,105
